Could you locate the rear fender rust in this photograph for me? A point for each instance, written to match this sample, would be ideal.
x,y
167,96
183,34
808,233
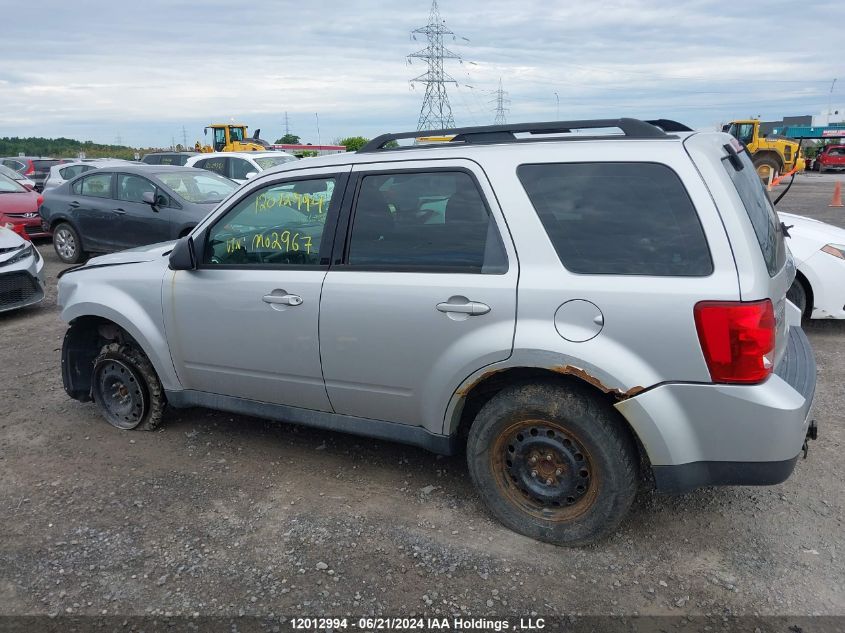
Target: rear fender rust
x,y
619,394
567,370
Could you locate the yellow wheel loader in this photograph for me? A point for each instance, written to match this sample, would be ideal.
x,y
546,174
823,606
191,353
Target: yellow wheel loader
x,y
231,137
770,154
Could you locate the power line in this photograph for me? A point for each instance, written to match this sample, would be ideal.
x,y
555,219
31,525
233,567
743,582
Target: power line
x,y
435,113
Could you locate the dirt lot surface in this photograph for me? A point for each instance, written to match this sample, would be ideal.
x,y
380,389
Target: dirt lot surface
x,y
222,514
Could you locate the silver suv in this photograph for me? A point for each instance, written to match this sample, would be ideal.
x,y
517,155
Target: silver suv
x,y
577,305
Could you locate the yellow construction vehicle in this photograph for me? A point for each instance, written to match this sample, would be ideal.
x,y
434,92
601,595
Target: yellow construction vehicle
x,y
770,154
231,137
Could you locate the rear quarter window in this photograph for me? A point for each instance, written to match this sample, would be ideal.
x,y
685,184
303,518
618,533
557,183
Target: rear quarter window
x,y
618,218
760,211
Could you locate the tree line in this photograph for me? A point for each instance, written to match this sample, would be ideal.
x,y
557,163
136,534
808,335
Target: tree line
x,y
65,148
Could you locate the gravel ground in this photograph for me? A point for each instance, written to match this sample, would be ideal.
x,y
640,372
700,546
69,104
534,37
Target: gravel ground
x,y
222,514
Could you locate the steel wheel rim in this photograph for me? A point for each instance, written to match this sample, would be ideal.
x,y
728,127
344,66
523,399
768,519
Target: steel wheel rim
x,y
545,470
65,244
120,394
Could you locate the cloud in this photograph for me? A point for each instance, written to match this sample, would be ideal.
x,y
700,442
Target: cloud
x,y
144,70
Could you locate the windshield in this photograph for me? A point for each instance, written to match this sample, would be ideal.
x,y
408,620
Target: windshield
x,y
7,185
198,187
273,161
10,173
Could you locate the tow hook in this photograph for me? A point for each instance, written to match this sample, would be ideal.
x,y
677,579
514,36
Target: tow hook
x,y
812,434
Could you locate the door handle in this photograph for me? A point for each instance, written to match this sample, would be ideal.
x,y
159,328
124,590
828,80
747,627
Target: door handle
x,y
472,308
288,300
119,211
74,204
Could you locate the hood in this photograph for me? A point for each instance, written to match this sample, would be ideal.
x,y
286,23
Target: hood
x,y
10,239
809,228
146,253
22,202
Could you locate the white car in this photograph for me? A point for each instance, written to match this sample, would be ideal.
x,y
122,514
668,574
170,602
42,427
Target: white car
x,y
21,271
239,166
61,173
819,252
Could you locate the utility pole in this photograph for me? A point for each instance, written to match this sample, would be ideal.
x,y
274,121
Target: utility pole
x,y
557,99
435,113
829,99
317,116
501,99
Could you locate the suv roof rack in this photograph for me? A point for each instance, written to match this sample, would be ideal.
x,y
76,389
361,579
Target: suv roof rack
x,y
486,134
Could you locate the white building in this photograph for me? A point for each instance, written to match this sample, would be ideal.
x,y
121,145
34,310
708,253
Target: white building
x,y
835,115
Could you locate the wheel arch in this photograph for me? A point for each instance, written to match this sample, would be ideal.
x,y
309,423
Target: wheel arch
x,y
475,393
808,290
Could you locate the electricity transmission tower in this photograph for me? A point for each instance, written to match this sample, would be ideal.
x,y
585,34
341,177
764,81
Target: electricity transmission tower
x,y
501,99
287,124
436,113
184,138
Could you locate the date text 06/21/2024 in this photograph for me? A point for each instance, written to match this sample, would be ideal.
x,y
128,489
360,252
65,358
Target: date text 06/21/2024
x,y
417,624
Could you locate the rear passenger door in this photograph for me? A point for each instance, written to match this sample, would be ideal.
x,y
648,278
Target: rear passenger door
x,y
91,206
421,294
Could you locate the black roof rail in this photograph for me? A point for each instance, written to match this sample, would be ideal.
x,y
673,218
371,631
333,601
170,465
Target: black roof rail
x,y
668,125
485,134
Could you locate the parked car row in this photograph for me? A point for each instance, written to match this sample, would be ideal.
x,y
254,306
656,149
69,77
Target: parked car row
x,y
35,168
127,205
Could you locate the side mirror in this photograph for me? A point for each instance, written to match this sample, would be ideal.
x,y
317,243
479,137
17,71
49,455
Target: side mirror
x,y
250,175
29,187
182,256
149,198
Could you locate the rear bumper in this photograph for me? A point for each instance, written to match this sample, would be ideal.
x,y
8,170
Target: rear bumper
x,y
708,435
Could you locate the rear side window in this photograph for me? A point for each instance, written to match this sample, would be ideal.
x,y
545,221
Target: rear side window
x,y
618,218
151,159
760,211
424,221
240,168
96,185
169,159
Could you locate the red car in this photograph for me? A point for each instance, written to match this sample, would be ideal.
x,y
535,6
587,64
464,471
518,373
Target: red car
x,y
831,157
19,207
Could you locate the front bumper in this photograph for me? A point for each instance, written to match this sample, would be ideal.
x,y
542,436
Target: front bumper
x,y
22,283
32,226
708,435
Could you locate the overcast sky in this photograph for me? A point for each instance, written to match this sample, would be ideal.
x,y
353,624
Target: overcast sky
x,y
102,69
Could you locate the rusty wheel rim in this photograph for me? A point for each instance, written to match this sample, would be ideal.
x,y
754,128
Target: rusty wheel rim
x,y
545,470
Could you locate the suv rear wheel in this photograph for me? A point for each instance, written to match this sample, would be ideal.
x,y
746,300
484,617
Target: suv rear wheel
x,y
126,388
552,462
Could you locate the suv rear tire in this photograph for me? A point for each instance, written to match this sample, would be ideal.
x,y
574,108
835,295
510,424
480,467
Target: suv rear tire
x,y
553,462
126,388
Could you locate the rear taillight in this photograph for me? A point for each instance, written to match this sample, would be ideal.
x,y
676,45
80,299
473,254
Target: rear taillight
x,y
738,339
30,168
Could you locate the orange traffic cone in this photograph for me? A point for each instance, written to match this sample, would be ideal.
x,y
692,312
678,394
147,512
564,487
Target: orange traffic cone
x,y
836,200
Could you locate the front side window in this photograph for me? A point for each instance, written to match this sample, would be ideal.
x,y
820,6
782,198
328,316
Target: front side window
x,y
435,221
278,225
96,185
240,168
618,218
196,186
69,173
132,188
266,162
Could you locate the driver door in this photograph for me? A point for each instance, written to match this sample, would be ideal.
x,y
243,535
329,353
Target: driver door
x,y
245,323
